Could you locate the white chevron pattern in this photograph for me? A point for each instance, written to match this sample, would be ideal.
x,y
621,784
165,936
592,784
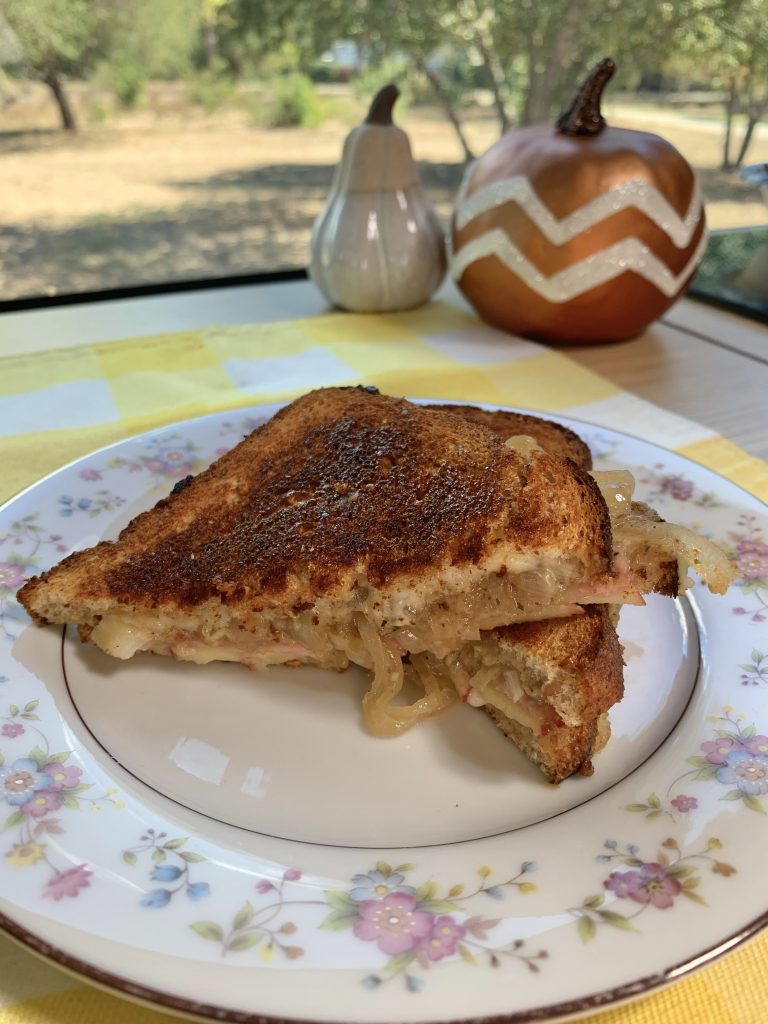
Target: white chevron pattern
x,y
638,194
605,265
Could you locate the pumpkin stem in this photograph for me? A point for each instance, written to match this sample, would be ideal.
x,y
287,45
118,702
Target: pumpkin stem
x,y
583,117
381,107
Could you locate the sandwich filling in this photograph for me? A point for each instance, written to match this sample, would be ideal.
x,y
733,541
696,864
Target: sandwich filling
x,y
377,633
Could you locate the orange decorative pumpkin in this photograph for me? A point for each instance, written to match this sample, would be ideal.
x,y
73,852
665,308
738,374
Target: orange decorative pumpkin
x,y
578,232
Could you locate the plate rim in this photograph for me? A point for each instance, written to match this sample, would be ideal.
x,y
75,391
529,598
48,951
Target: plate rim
x,y
116,984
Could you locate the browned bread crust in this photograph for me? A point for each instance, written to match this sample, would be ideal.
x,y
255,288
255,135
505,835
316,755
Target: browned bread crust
x,y
582,676
561,753
341,487
553,437
662,576
580,659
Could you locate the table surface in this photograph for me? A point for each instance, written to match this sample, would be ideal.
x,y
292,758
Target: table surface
x,y
704,364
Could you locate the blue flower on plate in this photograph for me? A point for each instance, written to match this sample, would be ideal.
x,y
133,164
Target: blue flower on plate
x,y
21,780
157,898
375,885
198,891
748,771
165,873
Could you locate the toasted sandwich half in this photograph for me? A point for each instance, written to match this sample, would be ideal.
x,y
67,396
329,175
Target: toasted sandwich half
x,y
548,685
352,527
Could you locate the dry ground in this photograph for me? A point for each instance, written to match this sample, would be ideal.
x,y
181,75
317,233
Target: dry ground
x,y
148,196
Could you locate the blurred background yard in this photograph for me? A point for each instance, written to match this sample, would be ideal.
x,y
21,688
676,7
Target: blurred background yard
x,y
137,148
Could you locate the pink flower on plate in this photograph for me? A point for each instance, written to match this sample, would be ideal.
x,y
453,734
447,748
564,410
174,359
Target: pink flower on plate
x,y
752,559
685,803
678,487
11,576
757,745
90,474
12,729
393,923
649,884
443,938
68,883
63,776
42,803
717,750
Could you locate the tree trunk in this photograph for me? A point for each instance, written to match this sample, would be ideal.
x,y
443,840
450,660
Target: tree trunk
x,y
755,109
56,86
447,105
551,62
495,77
730,110
210,44
752,121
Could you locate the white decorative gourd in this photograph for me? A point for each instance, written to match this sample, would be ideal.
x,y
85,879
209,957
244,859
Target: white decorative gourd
x,y
378,245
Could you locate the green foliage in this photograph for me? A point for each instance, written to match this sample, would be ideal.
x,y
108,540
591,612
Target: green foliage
x,y
294,103
212,87
258,110
55,38
208,930
150,40
127,78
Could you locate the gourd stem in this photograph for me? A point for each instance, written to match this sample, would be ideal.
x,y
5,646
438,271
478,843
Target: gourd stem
x,y
583,117
381,106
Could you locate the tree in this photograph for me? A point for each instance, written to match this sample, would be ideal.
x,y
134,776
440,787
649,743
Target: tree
x,y
57,40
533,53
248,31
729,39
143,45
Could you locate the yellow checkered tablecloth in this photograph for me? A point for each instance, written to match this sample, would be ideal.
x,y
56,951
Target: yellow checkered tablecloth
x,y
93,395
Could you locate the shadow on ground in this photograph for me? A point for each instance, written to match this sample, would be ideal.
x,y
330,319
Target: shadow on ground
x,y
35,140
232,223
228,224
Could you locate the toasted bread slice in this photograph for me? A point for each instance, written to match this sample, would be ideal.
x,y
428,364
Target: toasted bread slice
x,y
346,503
548,685
561,675
562,752
553,437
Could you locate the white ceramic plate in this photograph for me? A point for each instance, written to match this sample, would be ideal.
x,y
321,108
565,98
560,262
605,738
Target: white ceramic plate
x,y
235,845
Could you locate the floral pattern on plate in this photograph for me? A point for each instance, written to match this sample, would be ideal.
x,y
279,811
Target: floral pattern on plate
x,y
165,457
653,883
659,483
171,866
415,927
748,547
25,549
735,755
34,786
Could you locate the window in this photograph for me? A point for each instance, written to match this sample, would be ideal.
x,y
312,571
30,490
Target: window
x,y
152,141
